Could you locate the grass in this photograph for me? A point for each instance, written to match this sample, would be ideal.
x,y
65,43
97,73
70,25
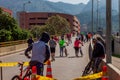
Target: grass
x,y
116,55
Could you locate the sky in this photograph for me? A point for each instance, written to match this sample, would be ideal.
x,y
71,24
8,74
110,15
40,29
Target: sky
x,y
71,1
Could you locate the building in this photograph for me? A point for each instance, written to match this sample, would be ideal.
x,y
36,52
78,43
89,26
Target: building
x,y
7,11
28,19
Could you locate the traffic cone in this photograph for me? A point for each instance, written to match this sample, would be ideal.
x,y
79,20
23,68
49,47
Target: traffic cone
x,y
49,70
34,73
105,76
26,78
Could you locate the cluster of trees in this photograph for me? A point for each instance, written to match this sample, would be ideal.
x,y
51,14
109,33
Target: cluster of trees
x,y
10,31
55,25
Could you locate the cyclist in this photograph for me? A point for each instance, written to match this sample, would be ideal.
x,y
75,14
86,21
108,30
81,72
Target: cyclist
x,y
98,53
40,53
30,41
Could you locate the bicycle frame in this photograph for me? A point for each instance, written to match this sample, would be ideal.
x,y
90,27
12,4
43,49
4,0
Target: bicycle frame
x,y
23,72
93,65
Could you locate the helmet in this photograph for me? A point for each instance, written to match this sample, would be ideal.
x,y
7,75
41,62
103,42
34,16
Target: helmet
x,y
45,37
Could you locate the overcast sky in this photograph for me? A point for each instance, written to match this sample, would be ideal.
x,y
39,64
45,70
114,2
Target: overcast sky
x,y
71,1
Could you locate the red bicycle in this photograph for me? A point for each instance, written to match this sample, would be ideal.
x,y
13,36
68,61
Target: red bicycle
x,y
24,72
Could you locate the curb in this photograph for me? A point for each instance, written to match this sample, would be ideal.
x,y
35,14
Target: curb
x,y
11,52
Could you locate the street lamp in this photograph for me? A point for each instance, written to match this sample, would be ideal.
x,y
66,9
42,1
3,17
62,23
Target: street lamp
x,y
97,15
25,4
119,15
24,11
108,31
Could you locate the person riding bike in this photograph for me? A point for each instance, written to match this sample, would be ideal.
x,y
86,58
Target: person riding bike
x,y
98,53
40,53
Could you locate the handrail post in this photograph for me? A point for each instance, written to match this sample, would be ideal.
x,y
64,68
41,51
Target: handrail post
x,y
1,72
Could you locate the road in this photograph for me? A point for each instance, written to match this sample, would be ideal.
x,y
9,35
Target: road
x,y
63,68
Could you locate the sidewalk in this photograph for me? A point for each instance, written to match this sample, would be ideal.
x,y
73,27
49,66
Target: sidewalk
x,y
116,62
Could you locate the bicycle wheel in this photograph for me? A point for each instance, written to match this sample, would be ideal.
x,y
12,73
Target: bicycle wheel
x,y
16,77
88,69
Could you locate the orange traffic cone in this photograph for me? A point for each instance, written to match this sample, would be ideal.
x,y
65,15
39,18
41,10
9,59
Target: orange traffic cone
x,y
49,70
26,78
105,77
34,73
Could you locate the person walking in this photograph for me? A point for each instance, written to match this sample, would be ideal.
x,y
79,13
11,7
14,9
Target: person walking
x,y
40,53
80,47
62,46
76,46
52,44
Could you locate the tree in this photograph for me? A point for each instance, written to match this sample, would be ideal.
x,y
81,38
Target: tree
x,y
9,29
37,30
1,10
57,25
5,35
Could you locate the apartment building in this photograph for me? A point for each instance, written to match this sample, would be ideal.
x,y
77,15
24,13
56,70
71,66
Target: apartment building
x,y
28,19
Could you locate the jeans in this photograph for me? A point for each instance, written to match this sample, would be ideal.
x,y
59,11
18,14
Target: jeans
x,y
61,51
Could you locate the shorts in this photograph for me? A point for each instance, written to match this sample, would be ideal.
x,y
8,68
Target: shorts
x,y
52,50
39,66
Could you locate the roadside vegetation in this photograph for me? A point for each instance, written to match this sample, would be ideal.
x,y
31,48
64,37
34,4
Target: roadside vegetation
x,y
10,31
55,25
116,55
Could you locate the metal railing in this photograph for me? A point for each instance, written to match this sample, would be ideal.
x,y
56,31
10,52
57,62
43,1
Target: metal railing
x,y
10,43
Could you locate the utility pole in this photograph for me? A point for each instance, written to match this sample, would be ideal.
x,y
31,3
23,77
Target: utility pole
x,y
108,31
97,26
119,15
24,11
92,17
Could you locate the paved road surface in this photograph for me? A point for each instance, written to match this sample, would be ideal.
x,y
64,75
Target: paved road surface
x,y
63,68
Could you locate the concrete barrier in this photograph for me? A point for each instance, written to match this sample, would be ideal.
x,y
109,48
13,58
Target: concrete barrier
x,y
117,45
12,49
113,72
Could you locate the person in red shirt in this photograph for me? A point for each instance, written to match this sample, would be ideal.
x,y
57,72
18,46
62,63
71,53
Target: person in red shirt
x,y
76,46
56,38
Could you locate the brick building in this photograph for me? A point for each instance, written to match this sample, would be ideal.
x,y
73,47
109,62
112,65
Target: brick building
x,y
28,19
7,11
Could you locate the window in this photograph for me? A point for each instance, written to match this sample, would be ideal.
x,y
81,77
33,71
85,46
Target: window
x,y
40,23
43,18
32,18
32,23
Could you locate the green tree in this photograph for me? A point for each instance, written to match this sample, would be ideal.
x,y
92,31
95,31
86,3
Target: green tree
x,y
57,25
37,30
1,10
5,35
9,29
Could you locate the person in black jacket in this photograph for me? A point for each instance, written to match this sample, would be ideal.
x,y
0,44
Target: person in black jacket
x,y
99,49
98,52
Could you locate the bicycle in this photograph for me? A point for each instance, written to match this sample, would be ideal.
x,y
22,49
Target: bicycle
x,y
24,72
93,65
